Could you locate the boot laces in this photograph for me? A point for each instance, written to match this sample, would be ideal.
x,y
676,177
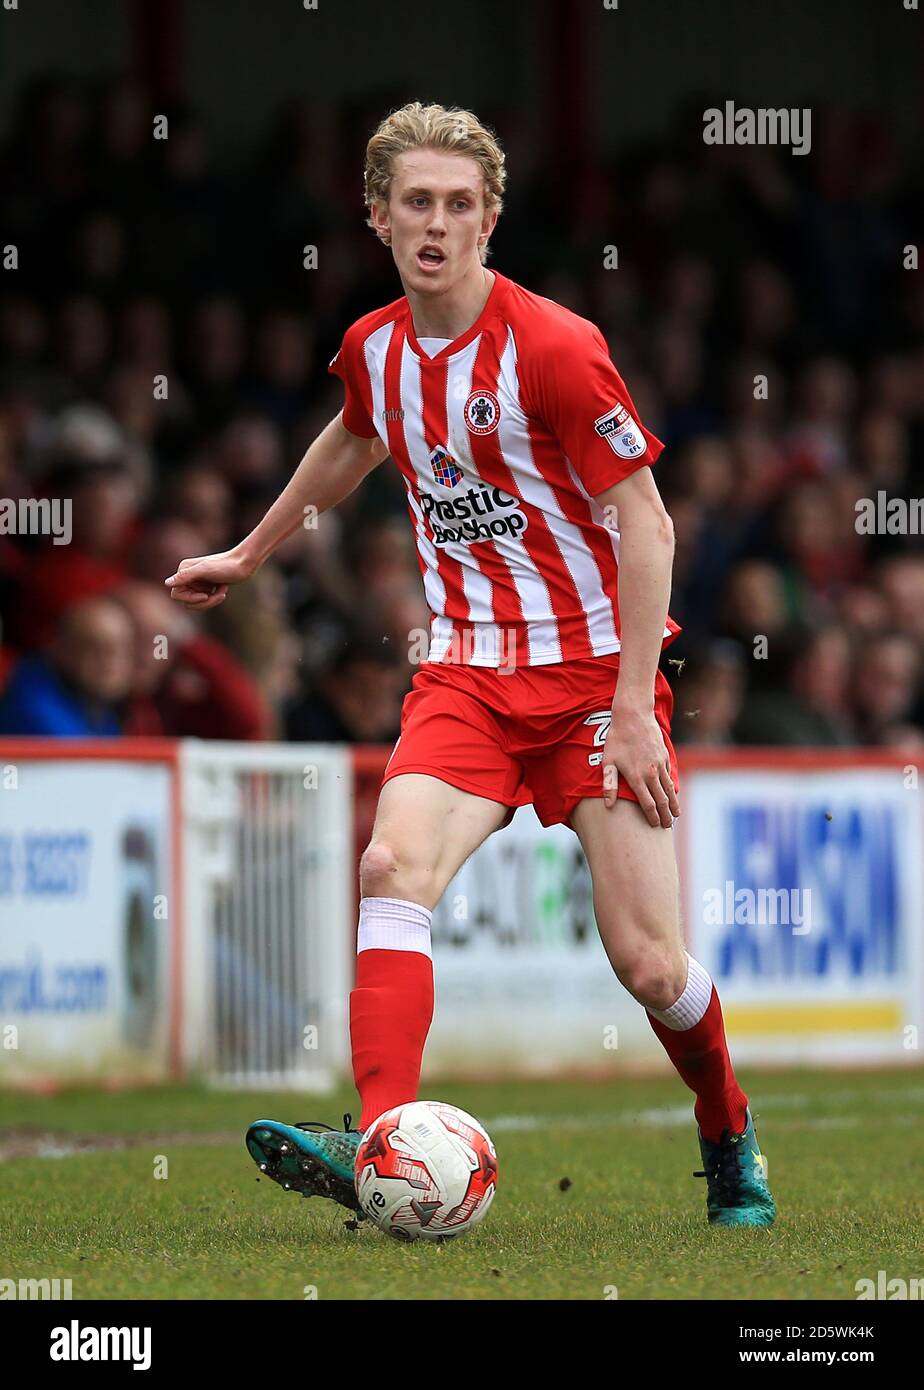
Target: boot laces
x,y
724,1169
318,1127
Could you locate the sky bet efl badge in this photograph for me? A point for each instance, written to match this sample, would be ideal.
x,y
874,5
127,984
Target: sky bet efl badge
x,y
482,412
445,469
621,432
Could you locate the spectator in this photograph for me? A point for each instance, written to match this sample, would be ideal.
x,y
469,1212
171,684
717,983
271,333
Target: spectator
x,y
708,692
886,685
88,468
184,684
357,701
78,687
811,706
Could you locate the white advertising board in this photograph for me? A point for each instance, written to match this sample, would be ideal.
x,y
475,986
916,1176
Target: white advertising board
x,y
522,980
85,919
803,896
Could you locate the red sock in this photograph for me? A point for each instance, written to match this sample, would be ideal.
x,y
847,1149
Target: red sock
x,y
700,1055
390,1013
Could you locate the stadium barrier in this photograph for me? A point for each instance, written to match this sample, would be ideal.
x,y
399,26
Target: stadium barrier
x,y
189,908
174,908
268,849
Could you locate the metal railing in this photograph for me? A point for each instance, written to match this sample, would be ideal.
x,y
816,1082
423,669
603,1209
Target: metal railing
x,y
268,833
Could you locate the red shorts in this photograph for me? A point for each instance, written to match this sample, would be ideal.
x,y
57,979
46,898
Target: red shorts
x,y
534,734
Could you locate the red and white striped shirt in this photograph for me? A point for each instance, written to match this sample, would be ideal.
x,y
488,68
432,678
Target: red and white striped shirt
x,y
504,438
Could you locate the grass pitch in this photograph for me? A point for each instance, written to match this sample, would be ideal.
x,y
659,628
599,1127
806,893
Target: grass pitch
x,y
79,1198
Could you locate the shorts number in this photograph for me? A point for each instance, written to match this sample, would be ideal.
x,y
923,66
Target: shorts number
x,y
601,725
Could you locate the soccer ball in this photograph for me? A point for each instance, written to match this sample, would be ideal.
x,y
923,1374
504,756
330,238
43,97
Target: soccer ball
x,y
426,1170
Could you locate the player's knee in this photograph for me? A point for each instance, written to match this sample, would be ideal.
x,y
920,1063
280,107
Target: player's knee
x,y
378,870
654,978
387,872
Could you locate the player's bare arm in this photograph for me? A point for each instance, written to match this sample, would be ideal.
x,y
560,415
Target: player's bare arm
x,y
634,745
334,465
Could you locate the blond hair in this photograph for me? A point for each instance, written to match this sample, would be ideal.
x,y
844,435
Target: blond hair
x,y
451,129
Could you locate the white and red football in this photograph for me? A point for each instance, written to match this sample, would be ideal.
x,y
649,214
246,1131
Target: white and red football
x,y
426,1170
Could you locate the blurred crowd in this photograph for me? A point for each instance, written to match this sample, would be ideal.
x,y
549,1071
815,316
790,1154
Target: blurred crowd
x,y
164,352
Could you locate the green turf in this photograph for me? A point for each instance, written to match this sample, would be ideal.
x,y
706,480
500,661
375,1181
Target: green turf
x,y
845,1154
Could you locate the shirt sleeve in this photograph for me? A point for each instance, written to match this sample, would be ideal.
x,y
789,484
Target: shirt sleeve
x,y
350,365
581,398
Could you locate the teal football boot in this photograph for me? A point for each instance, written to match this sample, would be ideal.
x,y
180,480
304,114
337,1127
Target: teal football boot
x,y
736,1178
309,1158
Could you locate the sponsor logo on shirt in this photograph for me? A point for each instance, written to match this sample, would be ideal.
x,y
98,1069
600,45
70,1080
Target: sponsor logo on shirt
x,y
445,469
480,514
482,412
621,432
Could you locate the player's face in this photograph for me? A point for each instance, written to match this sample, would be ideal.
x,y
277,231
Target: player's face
x,y
435,217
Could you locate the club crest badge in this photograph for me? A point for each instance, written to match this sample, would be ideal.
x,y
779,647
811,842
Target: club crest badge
x,y
482,412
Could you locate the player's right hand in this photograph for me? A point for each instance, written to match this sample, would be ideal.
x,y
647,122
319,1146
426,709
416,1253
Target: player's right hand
x,y
635,750
204,581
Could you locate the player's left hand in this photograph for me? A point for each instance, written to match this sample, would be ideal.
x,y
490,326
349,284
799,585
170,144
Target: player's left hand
x,y
635,750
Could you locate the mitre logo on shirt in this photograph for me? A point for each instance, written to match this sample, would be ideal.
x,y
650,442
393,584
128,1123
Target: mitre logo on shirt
x,y
445,469
481,513
621,432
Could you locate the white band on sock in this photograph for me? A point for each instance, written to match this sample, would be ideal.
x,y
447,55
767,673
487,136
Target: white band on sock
x,y
692,1004
391,924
